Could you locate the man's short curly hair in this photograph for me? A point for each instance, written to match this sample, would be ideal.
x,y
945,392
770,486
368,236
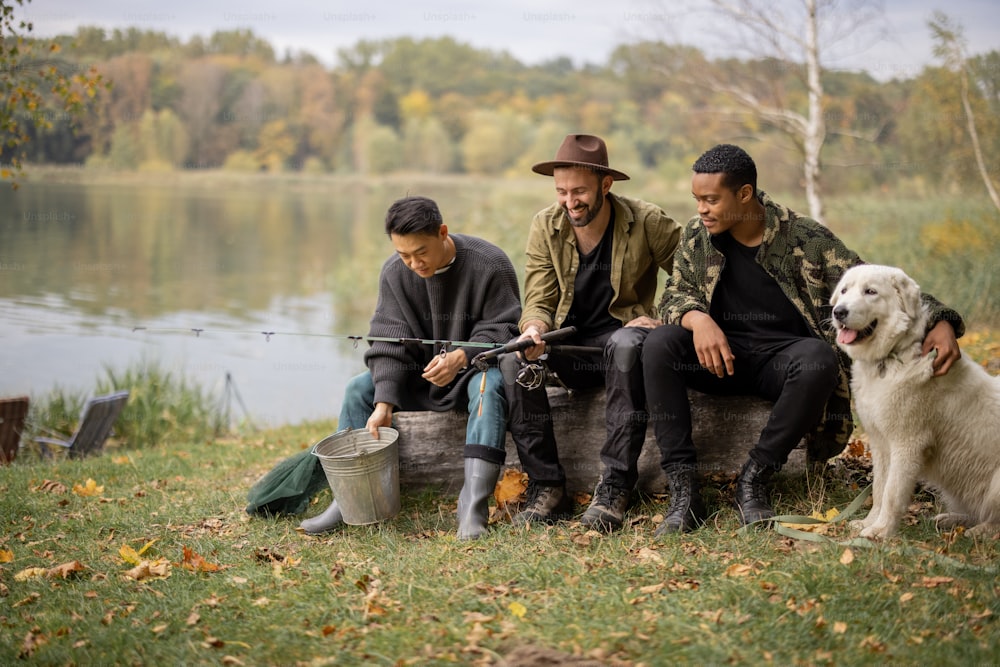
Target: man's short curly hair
x,y
733,162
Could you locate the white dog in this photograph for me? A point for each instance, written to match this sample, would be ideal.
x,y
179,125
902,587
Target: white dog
x,y
944,431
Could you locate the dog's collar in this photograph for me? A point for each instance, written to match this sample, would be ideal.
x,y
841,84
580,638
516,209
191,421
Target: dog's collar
x,y
895,355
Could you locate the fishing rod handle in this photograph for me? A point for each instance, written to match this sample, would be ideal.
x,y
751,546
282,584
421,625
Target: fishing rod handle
x,y
479,361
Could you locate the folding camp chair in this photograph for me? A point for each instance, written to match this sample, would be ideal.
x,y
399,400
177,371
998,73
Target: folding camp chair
x,y
13,412
99,415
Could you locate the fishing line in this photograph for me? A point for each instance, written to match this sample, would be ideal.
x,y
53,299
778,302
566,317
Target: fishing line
x,y
355,339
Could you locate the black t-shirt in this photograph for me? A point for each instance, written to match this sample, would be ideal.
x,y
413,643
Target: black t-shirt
x,y
592,292
749,303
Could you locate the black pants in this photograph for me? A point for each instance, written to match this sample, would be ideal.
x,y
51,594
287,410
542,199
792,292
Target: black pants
x,y
619,369
797,374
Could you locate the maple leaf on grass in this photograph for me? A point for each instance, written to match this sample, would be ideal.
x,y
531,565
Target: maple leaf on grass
x,y
88,488
196,563
511,488
133,557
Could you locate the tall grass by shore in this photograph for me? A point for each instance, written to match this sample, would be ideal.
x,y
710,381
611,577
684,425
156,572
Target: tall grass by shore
x,y
162,407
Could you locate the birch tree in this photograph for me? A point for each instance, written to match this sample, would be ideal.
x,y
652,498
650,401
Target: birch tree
x,y
949,46
794,36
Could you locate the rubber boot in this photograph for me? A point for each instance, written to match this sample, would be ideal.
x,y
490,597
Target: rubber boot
x,y
473,501
686,511
751,492
325,522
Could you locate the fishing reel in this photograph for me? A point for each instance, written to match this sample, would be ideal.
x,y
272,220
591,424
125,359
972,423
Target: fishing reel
x,y
531,375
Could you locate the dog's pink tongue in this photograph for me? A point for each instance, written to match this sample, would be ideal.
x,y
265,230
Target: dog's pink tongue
x,y
846,336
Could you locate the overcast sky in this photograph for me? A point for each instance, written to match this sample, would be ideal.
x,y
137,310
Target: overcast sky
x,y
532,30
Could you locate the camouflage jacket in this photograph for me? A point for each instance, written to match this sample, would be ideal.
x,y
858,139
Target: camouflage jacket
x,y
807,260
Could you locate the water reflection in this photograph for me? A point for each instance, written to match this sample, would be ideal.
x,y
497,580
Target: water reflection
x,y
82,264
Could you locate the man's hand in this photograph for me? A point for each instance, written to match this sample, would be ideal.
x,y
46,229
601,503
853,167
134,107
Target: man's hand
x,y
942,338
645,322
443,368
533,331
381,417
710,343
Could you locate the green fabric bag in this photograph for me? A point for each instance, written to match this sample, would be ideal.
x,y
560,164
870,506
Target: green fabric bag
x,y
288,487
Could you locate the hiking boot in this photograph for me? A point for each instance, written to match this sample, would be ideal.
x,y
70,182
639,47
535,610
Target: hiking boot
x,y
686,511
607,510
546,504
751,492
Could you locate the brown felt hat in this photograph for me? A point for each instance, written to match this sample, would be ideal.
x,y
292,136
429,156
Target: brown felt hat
x,y
580,150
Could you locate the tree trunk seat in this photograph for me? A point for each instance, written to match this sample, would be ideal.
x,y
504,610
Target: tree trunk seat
x,y
724,429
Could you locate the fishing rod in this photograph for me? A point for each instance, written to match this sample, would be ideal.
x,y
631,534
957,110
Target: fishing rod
x,y
355,339
495,348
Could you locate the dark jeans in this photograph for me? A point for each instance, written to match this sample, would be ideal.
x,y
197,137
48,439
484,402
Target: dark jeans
x,y
797,374
620,371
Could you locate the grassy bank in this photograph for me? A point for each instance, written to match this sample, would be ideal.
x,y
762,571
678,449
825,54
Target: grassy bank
x,y
223,588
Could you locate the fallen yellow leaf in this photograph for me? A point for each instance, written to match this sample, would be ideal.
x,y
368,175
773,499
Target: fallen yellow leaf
x,y
194,562
129,555
476,617
6,556
157,569
30,573
933,582
48,486
840,627
739,570
517,609
66,570
511,487
824,519
88,488
648,555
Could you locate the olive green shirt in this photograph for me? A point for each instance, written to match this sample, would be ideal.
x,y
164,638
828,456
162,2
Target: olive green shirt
x,y
644,240
806,260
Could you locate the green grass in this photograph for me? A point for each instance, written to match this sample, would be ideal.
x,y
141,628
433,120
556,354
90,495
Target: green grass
x,y
407,592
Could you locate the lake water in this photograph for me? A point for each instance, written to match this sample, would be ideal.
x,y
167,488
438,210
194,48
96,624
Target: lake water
x,y
83,264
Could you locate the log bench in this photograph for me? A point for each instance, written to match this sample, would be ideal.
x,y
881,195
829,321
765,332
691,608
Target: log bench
x,y
724,429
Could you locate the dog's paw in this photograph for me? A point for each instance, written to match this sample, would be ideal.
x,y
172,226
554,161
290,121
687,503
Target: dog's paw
x,y
950,521
878,532
857,525
985,530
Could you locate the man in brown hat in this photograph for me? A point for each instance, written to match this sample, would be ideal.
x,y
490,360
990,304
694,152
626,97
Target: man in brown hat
x,y
606,250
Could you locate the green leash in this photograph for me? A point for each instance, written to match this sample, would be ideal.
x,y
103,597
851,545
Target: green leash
x,y
862,542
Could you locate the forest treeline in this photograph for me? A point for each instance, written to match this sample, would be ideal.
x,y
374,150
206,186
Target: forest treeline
x,y
442,106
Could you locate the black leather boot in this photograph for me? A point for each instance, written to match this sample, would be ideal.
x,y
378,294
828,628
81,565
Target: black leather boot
x,y
546,504
686,511
751,492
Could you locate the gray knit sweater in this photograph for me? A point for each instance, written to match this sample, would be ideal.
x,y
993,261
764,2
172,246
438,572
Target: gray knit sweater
x,y
477,299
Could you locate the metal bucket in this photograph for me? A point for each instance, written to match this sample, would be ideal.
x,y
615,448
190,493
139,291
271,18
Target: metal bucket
x,y
363,473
